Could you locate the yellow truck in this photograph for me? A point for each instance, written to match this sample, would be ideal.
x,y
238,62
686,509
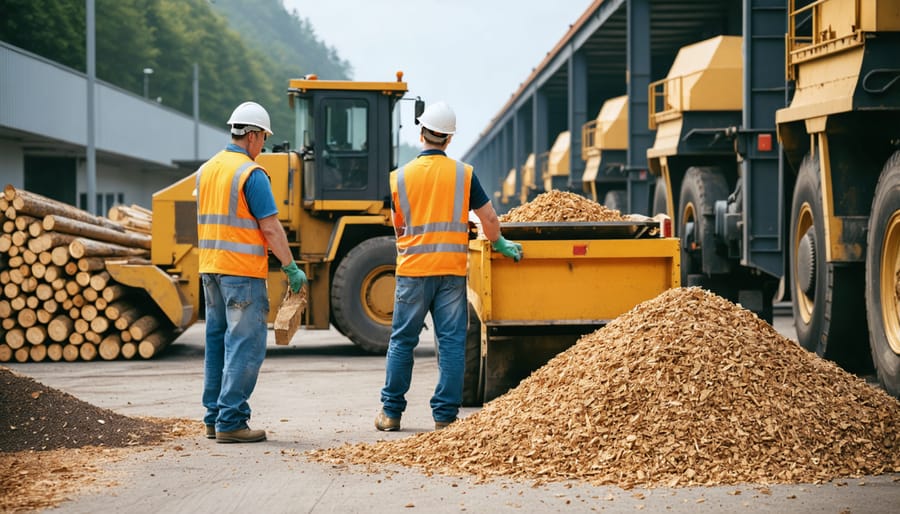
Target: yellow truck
x,y
529,190
555,165
777,157
574,278
604,148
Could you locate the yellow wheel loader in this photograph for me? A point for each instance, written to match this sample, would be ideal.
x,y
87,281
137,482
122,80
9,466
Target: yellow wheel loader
x,y
331,187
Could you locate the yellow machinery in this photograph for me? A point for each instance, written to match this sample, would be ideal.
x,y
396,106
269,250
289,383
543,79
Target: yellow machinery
x,y
508,188
573,279
331,186
820,211
528,190
692,111
841,135
555,168
702,91
604,150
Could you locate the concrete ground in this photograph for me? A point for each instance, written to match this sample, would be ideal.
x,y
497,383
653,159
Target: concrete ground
x,y
322,392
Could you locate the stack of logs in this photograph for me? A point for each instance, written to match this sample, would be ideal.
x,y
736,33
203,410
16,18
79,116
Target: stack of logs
x,y
58,300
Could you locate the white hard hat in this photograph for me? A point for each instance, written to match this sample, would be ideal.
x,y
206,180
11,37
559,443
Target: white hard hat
x,y
439,117
250,113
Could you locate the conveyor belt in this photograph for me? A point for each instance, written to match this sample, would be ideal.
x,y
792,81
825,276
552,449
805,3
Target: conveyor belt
x,y
581,230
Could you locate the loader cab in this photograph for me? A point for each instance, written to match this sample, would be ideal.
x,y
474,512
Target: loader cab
x,y
346,132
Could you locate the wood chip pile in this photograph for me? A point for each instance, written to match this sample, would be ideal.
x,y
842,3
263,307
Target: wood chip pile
x,y
558,207
684,389
58,301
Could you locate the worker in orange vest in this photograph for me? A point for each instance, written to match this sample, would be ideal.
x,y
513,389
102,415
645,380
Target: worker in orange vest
x,y
237,224
431,197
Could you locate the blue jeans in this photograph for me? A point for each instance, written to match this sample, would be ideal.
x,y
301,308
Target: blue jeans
x,y
236,313
414,297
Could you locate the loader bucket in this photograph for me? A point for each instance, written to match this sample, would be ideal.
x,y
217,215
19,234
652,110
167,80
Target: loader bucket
x,y
162,288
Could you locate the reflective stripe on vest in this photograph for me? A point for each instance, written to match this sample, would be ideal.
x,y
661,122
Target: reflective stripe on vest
x,y
230,219
449,226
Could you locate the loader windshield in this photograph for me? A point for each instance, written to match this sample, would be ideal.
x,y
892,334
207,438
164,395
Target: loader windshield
x,y
345,151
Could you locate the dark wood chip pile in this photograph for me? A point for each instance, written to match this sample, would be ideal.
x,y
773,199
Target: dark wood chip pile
x,y
37,417
684,389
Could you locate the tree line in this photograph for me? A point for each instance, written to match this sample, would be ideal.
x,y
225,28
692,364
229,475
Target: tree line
x,y
244,49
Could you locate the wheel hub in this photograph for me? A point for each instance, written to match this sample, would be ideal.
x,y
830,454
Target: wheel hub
x,y
890,283
806,262
378,294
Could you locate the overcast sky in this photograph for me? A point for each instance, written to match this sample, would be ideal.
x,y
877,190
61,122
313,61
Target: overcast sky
x,y
474,54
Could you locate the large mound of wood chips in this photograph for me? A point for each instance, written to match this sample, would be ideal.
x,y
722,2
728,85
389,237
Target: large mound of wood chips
x,y
558,207
684,389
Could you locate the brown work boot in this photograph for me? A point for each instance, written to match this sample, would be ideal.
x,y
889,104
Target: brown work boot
x,y
244,435
210,431
386,424
439,425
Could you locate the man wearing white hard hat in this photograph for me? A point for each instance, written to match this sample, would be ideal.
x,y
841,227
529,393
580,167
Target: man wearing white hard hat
x,y
237,225
431,197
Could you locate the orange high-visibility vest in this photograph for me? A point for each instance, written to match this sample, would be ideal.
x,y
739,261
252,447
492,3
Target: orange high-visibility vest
x,y
431,213
231,242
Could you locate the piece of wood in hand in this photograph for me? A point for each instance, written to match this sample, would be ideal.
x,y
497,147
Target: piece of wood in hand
x,y
287,320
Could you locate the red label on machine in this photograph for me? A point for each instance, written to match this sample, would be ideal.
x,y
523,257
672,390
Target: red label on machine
x,y
579,250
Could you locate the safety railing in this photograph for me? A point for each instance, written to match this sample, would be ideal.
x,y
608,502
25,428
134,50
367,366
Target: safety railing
x,y
811,32
588,134
666,99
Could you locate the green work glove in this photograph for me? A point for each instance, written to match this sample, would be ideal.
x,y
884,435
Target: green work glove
x,y
508,248
295,275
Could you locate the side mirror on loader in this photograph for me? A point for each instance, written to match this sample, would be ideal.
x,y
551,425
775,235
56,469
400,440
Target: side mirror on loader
x,y
420,108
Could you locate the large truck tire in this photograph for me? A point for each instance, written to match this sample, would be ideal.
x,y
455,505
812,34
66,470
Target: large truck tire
x,y
472,395
883,277
701,188
827,298
362,294
659,198
616,199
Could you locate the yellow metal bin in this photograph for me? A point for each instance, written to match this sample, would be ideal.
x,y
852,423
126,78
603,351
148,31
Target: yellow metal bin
x,y
573,279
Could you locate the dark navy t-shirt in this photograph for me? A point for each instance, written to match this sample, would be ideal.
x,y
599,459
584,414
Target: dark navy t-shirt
x,y
477,197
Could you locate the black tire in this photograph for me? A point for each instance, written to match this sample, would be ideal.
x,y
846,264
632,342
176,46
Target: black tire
x,y
616,199
659,198
472,396
882,272
362,293
701,188
827,299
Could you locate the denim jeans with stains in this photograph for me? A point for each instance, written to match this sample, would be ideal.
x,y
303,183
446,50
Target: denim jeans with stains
x,y
414,297
236,313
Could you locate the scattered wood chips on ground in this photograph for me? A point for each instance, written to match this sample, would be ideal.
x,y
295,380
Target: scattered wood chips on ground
x,y
685,389
558,207
54,446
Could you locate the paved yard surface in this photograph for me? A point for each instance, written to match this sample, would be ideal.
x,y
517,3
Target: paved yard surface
x,y
321,392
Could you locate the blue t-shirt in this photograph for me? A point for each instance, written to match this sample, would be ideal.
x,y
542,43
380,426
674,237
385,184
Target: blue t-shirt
x,y
477,197
257,190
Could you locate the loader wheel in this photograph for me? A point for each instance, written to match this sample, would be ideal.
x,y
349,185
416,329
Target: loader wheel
x,y
616,199
362,294
827,299
659,198
883,277
472,395
700,190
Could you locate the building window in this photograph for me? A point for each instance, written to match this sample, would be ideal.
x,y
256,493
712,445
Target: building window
x,y
104,202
